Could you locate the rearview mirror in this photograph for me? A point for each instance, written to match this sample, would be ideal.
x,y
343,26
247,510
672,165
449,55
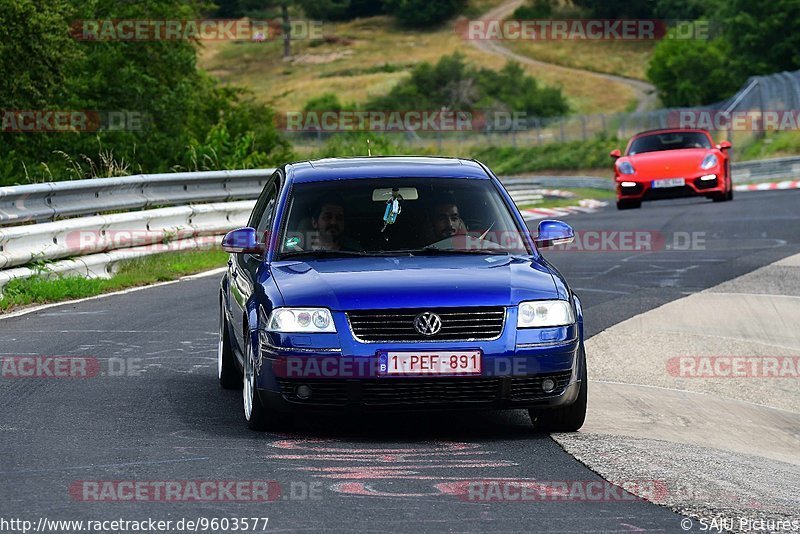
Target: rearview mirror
x,y
615,153
553,233
242,240
725,145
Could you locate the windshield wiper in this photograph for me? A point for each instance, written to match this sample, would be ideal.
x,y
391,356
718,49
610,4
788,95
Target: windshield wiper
x,y
433,251
321,254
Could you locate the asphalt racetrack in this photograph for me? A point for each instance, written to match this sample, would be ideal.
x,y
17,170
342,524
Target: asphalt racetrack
x,y
170,421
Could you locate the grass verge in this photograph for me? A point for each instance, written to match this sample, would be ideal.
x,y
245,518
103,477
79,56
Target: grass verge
x,y
772,145
590,154
581,193
131,273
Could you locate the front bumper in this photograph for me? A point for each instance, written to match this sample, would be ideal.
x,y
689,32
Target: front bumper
x,y
422,394
694,187
513,375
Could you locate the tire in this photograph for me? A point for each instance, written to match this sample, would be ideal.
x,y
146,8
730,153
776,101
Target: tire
x,y
229,375
256,415
565,418
726,196
629,204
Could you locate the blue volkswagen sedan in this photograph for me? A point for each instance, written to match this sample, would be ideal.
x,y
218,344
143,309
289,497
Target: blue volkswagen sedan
x,y
397,283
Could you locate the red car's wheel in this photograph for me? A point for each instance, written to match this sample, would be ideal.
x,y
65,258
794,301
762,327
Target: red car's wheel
x,y
629,204
727,195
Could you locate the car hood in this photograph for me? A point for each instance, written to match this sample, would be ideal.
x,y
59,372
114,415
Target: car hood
x,y
412,282
669,163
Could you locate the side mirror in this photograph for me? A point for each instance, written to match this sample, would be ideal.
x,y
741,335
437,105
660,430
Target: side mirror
x,y
725,145
242,240
553,233
615,153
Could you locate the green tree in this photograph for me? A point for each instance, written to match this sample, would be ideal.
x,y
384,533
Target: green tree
x,y
415,13
46,68
763,35
341,9
692,72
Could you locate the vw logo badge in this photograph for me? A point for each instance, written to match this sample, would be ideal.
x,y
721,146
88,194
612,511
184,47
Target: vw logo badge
x,y
428,323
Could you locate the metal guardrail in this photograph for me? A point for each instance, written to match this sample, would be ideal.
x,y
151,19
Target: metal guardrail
x,y
529,181
766,170
56,200
88,235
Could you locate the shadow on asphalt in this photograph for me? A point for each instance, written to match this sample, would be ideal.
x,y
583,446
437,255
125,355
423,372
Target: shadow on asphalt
x,y
462,425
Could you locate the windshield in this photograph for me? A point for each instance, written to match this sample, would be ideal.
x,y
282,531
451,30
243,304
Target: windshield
x,y
668,141
398,216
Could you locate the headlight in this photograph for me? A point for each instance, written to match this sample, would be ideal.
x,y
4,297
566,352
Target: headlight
x,y
543,313
296,320
625,167
709,161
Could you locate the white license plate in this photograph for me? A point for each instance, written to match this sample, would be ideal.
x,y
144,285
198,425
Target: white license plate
x,y
462,362
669,182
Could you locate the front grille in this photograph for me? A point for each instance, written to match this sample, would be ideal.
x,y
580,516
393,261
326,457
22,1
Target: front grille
x,y
395,391
388,392
463,324
392,392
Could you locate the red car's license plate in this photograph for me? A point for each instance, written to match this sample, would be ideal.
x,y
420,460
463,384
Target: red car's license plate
x,y
465,362
669,182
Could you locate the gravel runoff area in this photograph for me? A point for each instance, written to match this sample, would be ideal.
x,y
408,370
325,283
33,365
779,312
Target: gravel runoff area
x,y
724,444
737,492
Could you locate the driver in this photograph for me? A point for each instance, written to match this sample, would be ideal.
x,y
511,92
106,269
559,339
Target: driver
x,y
328,220
447,220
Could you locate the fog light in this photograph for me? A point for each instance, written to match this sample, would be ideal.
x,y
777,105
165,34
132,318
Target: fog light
x,y
548,385
303,391
628,184
709,177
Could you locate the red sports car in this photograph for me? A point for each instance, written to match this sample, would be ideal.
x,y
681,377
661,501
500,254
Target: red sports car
x,y
672,163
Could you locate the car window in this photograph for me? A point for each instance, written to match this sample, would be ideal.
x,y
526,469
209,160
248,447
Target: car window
x,y
382,216
264,211
668,141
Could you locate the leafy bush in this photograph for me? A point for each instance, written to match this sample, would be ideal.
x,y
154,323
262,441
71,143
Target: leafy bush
x,y
349,144
324,102
537,9
425,13
590,154
340,9
692,72
656,9
456,85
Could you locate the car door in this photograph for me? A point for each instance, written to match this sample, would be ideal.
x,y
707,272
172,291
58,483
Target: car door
x,y
242,267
